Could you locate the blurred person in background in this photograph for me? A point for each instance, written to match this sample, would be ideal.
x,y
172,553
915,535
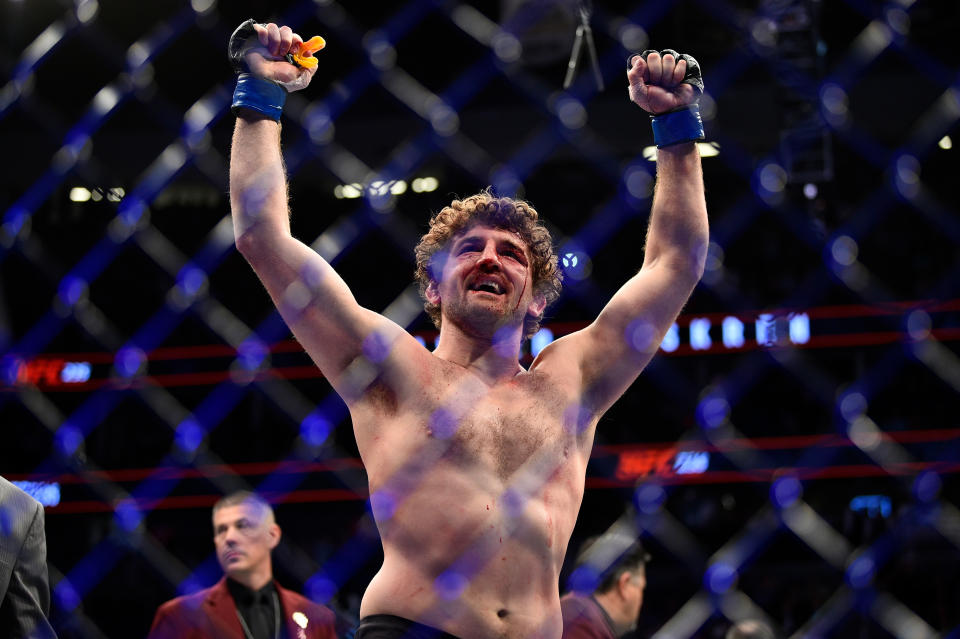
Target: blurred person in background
x,y
247,603
612,608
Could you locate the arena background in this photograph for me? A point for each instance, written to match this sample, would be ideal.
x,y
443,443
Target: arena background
x,y
790,454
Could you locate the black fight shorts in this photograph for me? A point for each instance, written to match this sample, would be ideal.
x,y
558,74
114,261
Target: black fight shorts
x,y
393,627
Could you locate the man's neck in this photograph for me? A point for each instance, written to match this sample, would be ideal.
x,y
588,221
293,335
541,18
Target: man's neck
x,y
254,580
493,360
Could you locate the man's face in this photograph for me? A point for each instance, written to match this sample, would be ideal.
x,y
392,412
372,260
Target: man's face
x,y
244,538
486,279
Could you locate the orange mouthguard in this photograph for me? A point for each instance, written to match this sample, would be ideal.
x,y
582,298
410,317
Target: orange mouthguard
x,y
304,55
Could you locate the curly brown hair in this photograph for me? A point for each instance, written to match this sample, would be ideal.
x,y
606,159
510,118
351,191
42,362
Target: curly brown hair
x,y
504,213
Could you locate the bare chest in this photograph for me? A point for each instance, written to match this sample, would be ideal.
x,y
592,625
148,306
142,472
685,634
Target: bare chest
x,y
501,428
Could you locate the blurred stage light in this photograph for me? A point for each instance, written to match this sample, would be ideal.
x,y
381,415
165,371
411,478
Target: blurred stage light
x,y
671,340
700,334
732,330
47,493
424,184
540,340
707,150
872,505
945,143
80,194
348,191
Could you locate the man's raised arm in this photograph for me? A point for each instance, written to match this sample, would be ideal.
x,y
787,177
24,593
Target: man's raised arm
x,y
614,349
315,302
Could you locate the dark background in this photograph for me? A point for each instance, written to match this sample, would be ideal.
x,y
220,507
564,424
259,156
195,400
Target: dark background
x,y
184,405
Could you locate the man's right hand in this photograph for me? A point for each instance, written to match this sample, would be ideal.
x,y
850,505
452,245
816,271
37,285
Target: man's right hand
x,y
266,58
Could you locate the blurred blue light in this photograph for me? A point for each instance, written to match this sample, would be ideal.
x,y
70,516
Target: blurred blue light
x,y
927,486
71,289
861,571
540,340
442,423
132,209
640,334
320,588
251,353
450,585
691,462
190,585
129,360
383,504
732,329
420,340
128,515
503,343
713,410
66,595
649,498
315,429
191,279
376,348
189,435
46,492
872,505
10,369
766,328
577,418
505,182
585,578
719,577
785,491
68,439
75,372
799,328
671,340
700,334
576,263
513,502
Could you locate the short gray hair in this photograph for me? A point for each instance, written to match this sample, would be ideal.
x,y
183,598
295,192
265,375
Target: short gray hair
x,y
246,497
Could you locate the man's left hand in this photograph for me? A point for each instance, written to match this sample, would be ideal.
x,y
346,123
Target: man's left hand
x,y
657,83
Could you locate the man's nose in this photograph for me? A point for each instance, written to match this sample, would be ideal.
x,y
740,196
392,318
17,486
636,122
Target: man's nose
x,y
489,256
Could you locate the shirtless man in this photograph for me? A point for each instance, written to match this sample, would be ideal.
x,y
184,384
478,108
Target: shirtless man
x,y
476,466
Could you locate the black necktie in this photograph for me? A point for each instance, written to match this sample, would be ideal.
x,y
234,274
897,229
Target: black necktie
x,y
261,616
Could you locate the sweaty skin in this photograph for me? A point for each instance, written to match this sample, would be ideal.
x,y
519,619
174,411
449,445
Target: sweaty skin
x,y
476,466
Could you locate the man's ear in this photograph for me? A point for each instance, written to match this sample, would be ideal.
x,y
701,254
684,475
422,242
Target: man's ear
x,y
432,294
538,305
274,534
623,581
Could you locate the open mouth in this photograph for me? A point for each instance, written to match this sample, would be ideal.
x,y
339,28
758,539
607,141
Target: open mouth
x,y
487,286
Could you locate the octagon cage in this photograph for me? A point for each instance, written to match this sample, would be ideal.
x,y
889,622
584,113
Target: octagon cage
x,y
791,452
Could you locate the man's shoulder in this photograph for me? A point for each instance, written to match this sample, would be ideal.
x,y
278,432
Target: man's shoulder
x,y
573,600
577,606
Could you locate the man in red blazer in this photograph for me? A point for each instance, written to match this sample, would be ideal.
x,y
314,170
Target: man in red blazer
x,y
247,603
614,567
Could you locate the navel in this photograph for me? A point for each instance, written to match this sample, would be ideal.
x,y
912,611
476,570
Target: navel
x,y
503,612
